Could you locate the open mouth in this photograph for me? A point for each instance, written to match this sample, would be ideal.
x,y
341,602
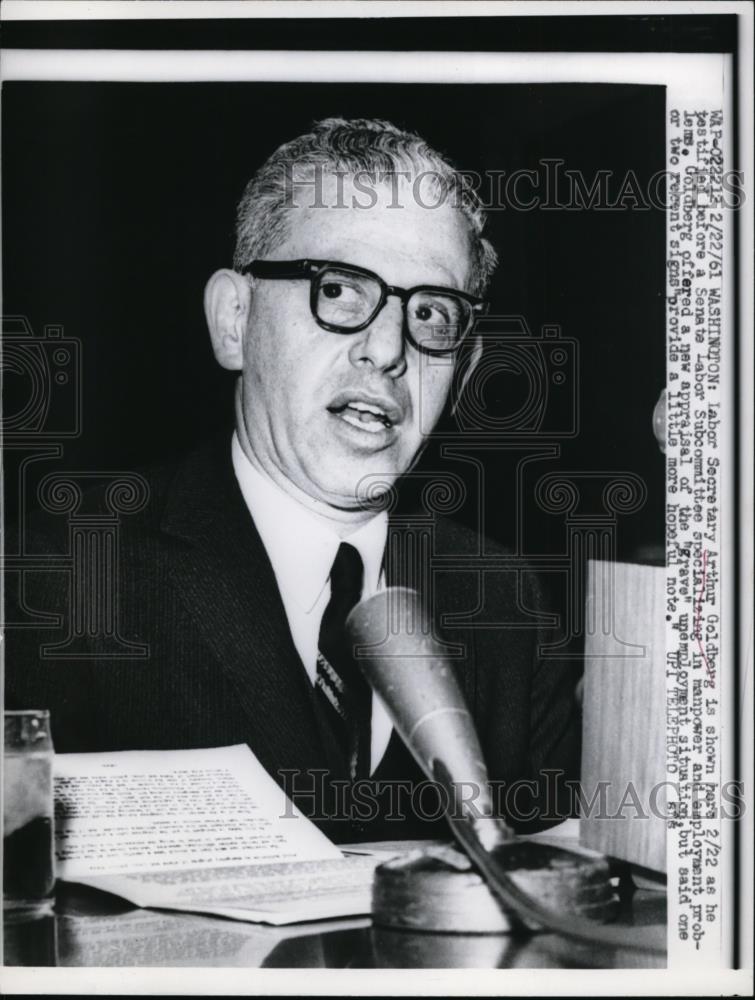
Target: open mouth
x,y
374,414
363,415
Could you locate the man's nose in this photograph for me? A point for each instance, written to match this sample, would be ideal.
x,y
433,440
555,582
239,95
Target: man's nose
x,y
381,344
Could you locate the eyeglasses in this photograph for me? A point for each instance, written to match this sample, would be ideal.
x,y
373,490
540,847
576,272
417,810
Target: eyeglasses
x,y
345,298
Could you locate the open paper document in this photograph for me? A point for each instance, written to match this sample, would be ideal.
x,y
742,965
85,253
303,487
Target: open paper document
x,y
202,830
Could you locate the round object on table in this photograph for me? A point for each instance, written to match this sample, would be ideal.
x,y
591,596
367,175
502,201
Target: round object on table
x,y
438,890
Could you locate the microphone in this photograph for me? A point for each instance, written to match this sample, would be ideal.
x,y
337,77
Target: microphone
x,y
407,667
393,644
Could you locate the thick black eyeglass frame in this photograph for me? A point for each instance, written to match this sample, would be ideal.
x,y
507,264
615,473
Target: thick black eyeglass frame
x,y
313,269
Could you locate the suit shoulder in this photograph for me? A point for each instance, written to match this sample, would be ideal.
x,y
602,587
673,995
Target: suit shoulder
x,y
136,497
453,536
505,572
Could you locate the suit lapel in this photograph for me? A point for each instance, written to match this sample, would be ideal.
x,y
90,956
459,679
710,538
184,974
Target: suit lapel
x,y
220,568
225,580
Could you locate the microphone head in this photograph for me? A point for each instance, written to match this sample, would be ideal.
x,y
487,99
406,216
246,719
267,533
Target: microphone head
x,y
392,623
394,646
405,664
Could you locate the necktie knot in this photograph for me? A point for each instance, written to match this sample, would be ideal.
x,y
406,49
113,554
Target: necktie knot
x,y
346,578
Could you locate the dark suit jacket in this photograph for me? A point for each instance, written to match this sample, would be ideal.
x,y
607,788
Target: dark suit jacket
x,y
195,583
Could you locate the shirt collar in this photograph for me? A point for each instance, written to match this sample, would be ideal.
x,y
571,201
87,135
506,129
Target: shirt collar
x,y
300,545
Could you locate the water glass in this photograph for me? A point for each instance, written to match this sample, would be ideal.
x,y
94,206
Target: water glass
x,y
28,811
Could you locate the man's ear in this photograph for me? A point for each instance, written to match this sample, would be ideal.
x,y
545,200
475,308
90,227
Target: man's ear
x,y
475,355
226,306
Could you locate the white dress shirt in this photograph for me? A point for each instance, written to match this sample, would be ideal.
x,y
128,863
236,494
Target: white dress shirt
x,y
301,548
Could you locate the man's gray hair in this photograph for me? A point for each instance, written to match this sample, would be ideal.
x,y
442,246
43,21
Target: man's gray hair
x,y
373,149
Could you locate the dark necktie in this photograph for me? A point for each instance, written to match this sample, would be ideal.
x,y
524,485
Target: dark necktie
x,y
340,686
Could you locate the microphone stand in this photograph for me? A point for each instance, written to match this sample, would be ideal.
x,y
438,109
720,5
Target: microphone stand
x,y
406,667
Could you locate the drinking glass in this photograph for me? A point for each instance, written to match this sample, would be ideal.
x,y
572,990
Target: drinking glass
x,y
28,848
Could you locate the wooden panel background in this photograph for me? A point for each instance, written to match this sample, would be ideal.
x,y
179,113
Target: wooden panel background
x,y
624,706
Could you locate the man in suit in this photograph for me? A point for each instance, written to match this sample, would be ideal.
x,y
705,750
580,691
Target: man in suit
x,y
359,270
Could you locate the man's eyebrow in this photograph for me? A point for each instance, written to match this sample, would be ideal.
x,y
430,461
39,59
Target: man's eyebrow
x,y
343,255
453,283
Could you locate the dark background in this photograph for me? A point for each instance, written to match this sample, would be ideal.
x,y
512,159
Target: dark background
x,y
608,32
118,203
